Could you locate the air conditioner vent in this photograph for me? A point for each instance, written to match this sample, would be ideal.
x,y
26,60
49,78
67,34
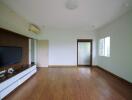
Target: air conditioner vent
x,y
34,28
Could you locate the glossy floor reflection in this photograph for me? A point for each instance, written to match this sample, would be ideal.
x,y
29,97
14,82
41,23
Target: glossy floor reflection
x,y
72,84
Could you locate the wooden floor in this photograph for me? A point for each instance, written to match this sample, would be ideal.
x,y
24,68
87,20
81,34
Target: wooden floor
x,y
72,84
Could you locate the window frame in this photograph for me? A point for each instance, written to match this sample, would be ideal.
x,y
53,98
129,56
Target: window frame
x,y
104,46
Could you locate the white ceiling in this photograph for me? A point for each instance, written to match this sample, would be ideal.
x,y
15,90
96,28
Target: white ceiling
x,y
52,14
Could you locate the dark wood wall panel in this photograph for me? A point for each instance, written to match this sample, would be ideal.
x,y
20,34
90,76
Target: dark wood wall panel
x,y
8,38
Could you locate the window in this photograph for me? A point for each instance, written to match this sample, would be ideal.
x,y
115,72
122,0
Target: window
x,y
101,47
104,46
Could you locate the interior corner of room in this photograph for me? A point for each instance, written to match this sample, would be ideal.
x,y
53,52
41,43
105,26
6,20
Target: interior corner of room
x,y
70,37
60,46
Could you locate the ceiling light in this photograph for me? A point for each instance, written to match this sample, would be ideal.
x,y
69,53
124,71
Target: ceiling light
x,y
71,4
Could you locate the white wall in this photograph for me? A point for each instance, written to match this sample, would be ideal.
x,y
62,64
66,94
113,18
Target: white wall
x,y
11,21
120,62
63,46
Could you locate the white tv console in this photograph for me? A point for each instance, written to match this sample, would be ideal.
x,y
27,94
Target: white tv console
x,y
12,83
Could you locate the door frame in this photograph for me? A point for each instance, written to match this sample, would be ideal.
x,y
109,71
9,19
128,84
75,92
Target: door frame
x,y
91,50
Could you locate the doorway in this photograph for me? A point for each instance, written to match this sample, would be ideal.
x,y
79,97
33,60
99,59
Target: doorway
x,y
84,52
42,55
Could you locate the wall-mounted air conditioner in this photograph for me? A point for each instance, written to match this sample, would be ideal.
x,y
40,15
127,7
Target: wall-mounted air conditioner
x,y
33,28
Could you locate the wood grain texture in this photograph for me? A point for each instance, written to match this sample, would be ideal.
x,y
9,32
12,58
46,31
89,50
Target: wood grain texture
x,y
72,84
8,38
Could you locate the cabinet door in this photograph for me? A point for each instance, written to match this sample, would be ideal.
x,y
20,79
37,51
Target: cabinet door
x,y
9,89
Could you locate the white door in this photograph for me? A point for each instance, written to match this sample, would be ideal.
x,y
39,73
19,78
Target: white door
x,y
42,53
